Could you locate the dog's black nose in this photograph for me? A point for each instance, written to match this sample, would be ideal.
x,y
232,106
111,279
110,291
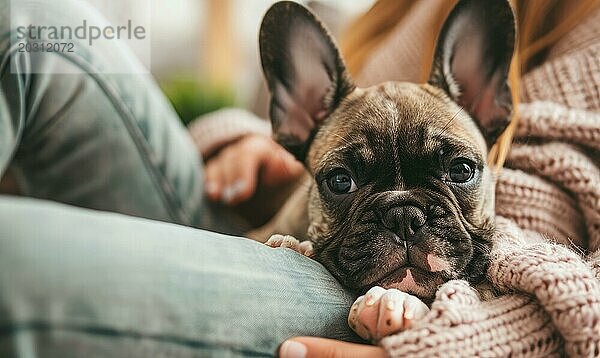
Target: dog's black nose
x,y
404,221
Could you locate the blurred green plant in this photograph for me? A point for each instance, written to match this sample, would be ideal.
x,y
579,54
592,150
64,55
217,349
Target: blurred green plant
x,y
192,99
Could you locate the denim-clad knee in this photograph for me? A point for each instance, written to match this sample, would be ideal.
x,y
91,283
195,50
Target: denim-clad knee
x,y
89,282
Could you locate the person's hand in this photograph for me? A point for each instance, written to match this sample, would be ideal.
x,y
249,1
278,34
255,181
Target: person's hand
x,y
312,347
234,174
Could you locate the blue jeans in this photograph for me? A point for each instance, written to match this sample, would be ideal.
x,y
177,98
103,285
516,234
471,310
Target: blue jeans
x,y
81,282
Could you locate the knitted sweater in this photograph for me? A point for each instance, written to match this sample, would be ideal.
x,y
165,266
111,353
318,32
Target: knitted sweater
x,y
546,253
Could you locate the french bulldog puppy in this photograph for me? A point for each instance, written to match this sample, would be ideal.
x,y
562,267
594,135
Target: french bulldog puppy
x,y
399,195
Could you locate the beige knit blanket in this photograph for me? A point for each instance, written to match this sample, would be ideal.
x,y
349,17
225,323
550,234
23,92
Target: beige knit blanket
x,y
551,305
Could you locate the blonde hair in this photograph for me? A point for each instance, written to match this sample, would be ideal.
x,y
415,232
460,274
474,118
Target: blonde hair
x,y
541,24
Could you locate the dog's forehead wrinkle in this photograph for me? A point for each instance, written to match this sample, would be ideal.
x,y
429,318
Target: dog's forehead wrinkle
x,y
394,127
352,154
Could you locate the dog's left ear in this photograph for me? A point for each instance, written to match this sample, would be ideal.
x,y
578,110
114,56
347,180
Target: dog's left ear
x,y
472,60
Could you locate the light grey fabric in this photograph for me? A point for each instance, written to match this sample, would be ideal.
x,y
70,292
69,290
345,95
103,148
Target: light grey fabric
x,y
80,283
102,141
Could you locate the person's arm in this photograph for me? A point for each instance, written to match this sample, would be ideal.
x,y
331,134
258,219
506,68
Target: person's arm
x,y
214,131
555,121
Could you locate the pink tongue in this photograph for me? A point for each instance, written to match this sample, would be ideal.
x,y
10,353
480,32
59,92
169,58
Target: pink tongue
x,y
408,280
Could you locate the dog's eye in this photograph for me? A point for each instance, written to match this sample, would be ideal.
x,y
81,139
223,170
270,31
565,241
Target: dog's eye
x,y
340,182
461,171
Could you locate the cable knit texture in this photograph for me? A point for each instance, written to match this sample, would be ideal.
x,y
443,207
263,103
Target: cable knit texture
x,y
546,253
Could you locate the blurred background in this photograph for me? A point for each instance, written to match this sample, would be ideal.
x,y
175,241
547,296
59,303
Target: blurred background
x,y
205,52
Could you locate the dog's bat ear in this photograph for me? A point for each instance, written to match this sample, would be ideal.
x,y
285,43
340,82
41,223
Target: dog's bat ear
x,y
472,60
304,71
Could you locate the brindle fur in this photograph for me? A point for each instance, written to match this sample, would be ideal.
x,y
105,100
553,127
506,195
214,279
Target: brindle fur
x,y
397,140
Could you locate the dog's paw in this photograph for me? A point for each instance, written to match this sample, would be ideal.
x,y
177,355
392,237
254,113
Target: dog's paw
x,y
382,312
290,242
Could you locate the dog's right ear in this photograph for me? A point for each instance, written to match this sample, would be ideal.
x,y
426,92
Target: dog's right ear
x,y
304,71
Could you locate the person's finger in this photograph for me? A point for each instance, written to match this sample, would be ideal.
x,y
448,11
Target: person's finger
x,y
212,180
240,173
244,162
280,166
312,347
241,179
